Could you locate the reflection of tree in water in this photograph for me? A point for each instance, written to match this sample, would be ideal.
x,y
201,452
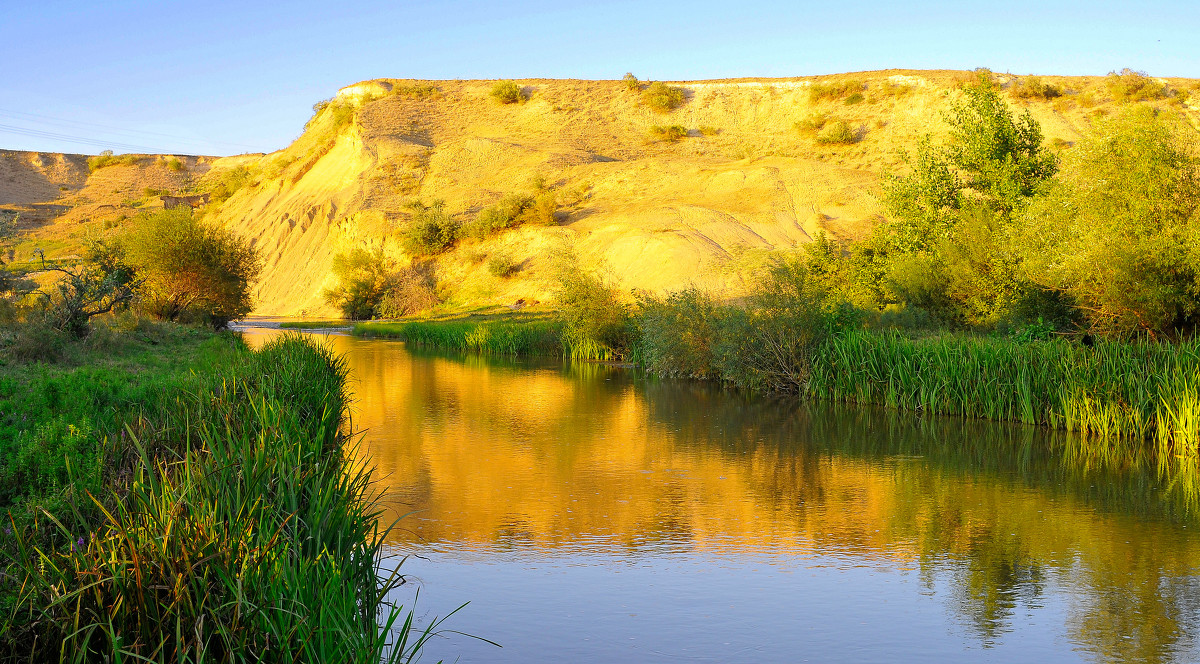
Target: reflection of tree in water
x,y
1132,602
1005,517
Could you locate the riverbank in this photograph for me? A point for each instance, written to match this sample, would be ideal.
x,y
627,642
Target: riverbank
x,y
177,497
487,331
1133,390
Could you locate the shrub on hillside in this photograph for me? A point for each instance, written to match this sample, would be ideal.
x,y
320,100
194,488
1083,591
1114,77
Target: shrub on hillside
x,y
431,231
631,82
507,92
107,158
854,98
662,98
226,183
502,266
671,134
1129,85
812,124
835,90
709,130
1032,87
837,133
340,112
514,210
174,164
416,90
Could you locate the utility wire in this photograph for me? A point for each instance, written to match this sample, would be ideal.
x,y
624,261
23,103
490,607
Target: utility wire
x,y
82,124
37,133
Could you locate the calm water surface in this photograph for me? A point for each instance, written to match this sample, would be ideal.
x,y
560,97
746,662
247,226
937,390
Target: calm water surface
x,y
591,515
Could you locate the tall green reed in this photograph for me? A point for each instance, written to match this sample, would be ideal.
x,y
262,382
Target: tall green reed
x,y
1138,390
246,530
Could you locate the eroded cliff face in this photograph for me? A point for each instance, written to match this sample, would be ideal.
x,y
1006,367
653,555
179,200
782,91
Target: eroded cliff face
x,y
650,214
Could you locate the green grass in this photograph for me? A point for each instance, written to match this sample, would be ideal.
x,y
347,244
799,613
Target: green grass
x,y
313,324
233,522
494,332
1132,390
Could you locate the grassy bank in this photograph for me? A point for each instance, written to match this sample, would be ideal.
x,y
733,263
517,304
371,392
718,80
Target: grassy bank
x,y
201,504
1136,390
1132,390
512,333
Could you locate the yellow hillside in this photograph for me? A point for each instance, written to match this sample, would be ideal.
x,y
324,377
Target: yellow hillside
x,y
652,214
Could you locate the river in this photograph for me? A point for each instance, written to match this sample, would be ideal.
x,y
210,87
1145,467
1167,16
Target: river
x,y
588,514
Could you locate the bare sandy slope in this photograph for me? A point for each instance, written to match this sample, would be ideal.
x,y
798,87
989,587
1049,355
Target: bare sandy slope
x,y
652,215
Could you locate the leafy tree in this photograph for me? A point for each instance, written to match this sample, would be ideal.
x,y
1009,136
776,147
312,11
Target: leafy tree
x,y
1001,157
1121,231
192,270
363,278
946,247
100,283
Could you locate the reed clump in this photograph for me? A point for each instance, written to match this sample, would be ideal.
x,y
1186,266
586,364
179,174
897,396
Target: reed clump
x,y
492,336
1112,389
241,528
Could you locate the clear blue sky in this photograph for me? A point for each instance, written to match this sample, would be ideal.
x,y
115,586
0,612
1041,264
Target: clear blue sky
x,y
230,77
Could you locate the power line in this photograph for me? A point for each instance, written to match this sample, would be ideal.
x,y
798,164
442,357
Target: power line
x,y
37,133
82,124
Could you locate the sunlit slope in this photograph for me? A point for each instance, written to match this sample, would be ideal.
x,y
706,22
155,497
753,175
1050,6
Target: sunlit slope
x,y
652,214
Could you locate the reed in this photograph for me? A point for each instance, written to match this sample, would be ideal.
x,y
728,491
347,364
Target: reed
x,y
506,335
246,530
1136,390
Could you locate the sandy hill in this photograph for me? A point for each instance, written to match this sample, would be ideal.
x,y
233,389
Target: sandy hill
x,y
650,213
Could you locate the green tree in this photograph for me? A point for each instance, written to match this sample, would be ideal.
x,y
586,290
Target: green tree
x,y
1121,230
363,280
947,247
192,270
99,283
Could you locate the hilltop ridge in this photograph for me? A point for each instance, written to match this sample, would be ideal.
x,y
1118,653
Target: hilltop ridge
x,y
650,213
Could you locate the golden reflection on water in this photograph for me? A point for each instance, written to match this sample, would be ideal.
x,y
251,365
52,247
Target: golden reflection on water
x,y
492,456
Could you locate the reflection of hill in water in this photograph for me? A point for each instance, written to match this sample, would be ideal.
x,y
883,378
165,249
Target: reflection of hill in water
x,y
500,456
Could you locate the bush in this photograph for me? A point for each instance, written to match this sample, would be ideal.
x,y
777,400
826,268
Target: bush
x,y
502,266
100,283
1121,230
835,90
37,341
1129,85
505,214
107,158
677,333
709,130
340,111
595,316
416,90
671,134
854,99
174,164
662,98
431,231
191,271
631,82
514,210
811,124
362,282
1032,87
225,184
837,133
409,290
507,92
